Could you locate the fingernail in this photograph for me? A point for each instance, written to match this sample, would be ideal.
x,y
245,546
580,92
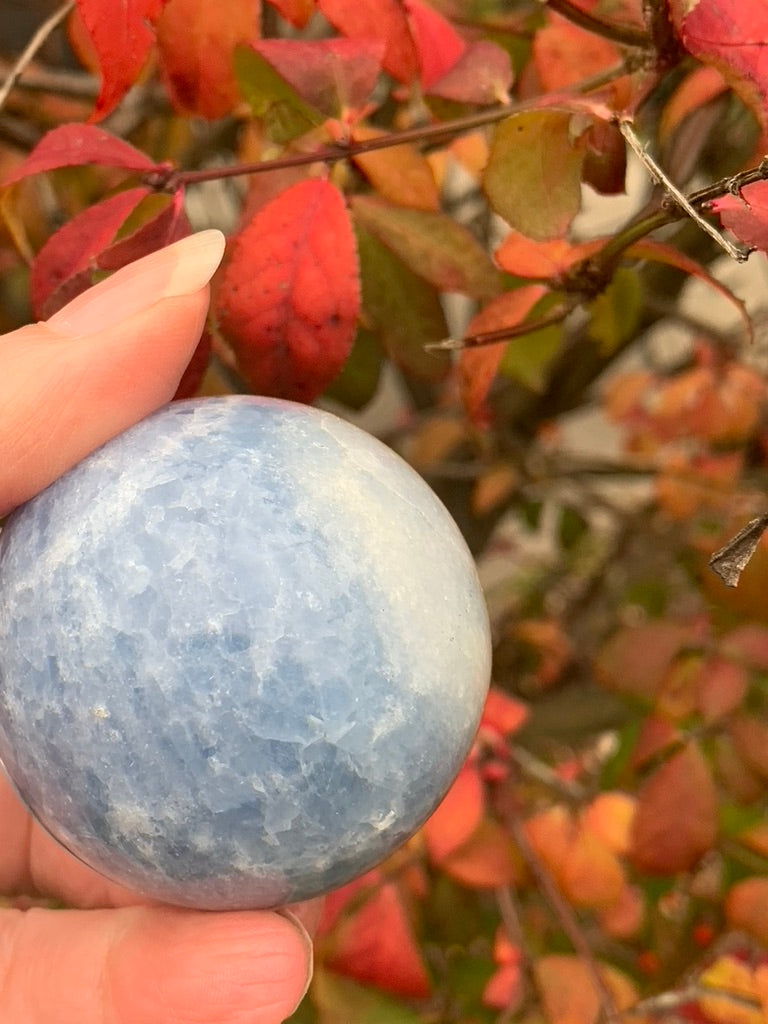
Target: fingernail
x,y
180,269
298,924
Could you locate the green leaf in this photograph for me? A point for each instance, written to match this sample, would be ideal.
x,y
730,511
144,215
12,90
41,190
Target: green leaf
x,y
356,385
533,175
285,114
527,359
401,309
433,245
340,1001
616,312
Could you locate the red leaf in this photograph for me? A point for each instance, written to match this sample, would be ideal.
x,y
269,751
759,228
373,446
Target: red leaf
x,y
457,817
676,819
746,215
297,12
71,145
169,225
377,19
438,45
196,40
503,713
481,75
505,989
290,296
63,265
478,366
565,54
192,377
333,75
731,35
376,945
121,34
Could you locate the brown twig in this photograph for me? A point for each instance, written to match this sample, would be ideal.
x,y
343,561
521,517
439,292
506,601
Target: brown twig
x,y
423,133
566,918
736,252
482,338
626,35
32,47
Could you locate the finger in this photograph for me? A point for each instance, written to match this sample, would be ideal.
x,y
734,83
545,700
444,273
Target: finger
x,y
148,964
34,864
106,360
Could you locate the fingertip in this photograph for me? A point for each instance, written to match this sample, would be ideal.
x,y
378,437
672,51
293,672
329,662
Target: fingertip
x,y
63,397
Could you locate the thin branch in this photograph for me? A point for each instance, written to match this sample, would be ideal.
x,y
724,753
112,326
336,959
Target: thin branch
x,y
626,129
32,47
482,338
78,84
626,35
566,918
423,133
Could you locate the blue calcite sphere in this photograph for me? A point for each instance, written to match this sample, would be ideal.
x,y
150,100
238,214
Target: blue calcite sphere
x,y
243,653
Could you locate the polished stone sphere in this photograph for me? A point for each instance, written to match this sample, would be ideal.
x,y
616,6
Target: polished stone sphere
x,y
243,654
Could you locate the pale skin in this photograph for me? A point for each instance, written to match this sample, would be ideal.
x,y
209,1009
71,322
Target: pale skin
x,y
104,362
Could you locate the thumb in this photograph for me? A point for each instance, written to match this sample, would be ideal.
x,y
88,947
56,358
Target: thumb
x,y
109,358
141,965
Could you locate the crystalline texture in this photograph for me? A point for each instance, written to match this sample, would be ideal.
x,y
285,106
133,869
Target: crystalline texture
x,y
243,653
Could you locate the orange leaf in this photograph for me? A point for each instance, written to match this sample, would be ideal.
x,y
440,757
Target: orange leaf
x,y
551,834
591,874
746,907
290,295
478,366
486,861
457,816
568,992
548,260
400,173
609,817
676,820
197,39
376,945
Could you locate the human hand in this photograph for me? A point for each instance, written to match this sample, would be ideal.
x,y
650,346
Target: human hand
x,y
112,356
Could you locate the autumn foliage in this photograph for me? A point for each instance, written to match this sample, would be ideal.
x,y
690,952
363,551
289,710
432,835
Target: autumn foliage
x,y
512,236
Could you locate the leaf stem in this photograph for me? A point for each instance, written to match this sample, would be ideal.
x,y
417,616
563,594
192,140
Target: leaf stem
x,y
626,35
32,47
